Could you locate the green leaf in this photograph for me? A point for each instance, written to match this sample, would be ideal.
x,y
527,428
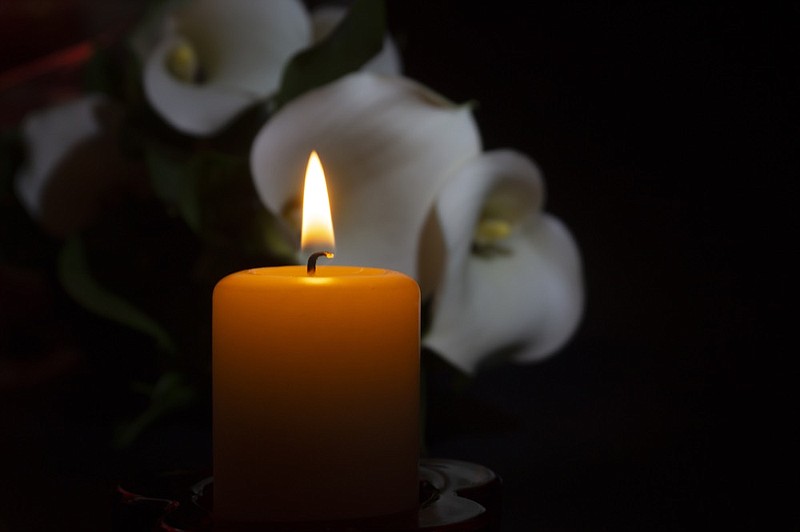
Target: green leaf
x,y
77,280
356,40
99,75
174,184
170,394
213,192
199,185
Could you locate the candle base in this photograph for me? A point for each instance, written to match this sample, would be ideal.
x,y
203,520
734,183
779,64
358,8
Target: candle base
x,y
453,496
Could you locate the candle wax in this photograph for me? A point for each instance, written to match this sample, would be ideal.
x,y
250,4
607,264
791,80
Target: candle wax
x,y
315,394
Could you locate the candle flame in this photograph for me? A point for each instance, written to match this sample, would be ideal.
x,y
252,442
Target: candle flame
x,y
317,228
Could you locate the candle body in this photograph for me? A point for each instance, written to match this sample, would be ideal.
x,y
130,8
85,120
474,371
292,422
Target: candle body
x,y
315,394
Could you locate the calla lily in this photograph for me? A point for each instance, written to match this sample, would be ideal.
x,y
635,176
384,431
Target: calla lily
x,y
73,164
387,145
214,58
211,59
512,281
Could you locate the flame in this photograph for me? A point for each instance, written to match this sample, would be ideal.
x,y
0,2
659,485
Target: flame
x,y
317,229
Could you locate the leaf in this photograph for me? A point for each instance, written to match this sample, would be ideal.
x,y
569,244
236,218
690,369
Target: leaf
x,y
99,75
213,192
231,213
357,39
77,280
196,184
173,184
170,393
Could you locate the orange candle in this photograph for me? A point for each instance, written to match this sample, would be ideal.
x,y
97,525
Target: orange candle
x,y
315,393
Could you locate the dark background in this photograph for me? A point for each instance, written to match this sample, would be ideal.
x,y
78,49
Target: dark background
x,y
668,138
667,133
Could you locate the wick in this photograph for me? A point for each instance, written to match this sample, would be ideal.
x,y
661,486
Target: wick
x,y
311,269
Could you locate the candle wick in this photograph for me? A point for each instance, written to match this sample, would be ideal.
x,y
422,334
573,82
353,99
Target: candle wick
x,y
312,260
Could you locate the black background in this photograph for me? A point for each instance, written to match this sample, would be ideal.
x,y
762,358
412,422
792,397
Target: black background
x,y
667,135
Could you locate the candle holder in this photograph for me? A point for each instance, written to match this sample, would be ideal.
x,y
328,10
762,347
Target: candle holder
x,y
454,496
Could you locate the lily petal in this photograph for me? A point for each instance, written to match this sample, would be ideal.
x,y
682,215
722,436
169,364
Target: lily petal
x,y
387,145
73,163
324,20
241,48
524,300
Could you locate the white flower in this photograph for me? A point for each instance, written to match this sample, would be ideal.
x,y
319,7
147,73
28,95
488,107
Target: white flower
x,y
73,165
215,58
387,145
512,281
411,191
208,60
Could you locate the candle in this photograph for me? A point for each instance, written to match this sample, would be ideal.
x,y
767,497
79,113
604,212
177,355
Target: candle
x,y
315,389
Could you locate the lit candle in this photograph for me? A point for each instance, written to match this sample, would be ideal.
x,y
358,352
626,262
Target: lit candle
x,y
315,388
